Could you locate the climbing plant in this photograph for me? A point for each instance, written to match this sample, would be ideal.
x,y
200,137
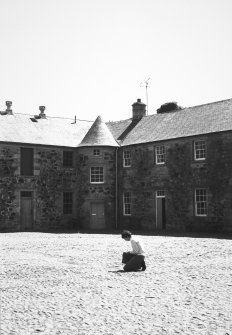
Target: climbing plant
x,y
179,182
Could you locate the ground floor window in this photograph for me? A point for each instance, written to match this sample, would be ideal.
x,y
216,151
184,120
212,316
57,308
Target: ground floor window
x,y
127,203
67,202
201,202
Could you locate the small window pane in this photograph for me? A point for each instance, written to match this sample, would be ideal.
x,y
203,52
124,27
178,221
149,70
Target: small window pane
x,y
96,152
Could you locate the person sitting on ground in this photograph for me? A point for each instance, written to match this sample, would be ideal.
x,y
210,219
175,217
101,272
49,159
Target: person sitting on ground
x,y
134,260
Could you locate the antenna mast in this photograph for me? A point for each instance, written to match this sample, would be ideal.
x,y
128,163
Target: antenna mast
x,y
145,84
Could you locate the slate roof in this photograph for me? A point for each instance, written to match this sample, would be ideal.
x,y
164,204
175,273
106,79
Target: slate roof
x,y
192,121
19,128
99,135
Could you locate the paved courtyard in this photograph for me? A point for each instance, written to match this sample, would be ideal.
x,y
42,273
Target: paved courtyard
x,y
70,284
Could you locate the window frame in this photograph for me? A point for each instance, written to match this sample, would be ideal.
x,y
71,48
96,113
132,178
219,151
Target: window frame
x,y
96,152
67,204
157,155
203,201
65,159
127,205
127,159
198,150
100,174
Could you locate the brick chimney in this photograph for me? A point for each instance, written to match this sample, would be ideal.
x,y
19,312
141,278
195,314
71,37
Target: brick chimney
x,y
138,109
8,107
42,115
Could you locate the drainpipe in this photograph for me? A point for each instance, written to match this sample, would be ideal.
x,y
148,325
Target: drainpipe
x,y
116,190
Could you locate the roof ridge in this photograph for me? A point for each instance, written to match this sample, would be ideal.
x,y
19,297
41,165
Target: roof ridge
x,y
54,117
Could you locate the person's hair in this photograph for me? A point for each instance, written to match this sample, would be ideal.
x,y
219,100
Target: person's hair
x,y
126,233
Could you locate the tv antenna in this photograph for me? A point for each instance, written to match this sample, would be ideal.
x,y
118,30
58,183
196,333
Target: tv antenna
x,y
145,84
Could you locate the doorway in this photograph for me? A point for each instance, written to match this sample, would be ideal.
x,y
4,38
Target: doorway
x,y
26,210
160,210
97,213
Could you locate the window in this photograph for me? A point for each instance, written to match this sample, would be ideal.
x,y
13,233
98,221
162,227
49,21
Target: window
x,y
27,161
96,174
160,154
199,150
126,158
160,194
127,203
96,152
67,158
201,203
67,202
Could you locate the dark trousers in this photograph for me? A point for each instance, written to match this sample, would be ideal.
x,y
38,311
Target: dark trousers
x,y
133,262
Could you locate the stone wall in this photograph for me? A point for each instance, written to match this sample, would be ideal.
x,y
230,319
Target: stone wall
x,y
179,177
49,181
93,192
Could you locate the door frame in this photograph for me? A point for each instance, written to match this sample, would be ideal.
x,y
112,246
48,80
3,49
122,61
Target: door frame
x,y
161,196
90,209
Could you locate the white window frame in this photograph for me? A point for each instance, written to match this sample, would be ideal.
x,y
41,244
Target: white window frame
x,y
201,202
127,203
99,171
160,155
199,150
126,158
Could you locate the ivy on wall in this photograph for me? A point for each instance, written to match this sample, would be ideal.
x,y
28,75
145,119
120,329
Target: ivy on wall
x,y
219,162
50,183
179,183
7,185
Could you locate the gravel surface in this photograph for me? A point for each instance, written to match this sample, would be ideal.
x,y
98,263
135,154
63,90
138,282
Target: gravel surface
x,y
72,284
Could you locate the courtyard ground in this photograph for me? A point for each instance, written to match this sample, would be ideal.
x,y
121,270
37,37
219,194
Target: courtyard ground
x,y
70,284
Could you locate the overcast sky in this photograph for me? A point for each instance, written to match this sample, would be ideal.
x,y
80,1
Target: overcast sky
x,y
89,57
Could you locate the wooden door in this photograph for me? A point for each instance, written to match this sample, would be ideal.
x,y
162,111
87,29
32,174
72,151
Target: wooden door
x,y
26,210
97,215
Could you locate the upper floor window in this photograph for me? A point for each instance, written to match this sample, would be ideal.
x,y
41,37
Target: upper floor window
x,y
67,158
201,202
127,203
199,150
160,154
126,158
27,161
67,202
96,152
97,174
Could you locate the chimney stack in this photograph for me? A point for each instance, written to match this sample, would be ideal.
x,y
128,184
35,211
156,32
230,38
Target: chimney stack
x,y
138,109
8,107
42,115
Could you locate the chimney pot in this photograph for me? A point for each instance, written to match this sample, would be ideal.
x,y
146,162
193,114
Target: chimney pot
x,y
41,114
8,107
138,100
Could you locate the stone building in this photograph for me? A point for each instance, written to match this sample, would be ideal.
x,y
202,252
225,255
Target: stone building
x,y
168,171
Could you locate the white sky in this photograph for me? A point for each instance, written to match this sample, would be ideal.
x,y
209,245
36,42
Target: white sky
x,y
88,57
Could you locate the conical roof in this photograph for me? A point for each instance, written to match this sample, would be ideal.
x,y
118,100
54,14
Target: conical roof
x,y
98,135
